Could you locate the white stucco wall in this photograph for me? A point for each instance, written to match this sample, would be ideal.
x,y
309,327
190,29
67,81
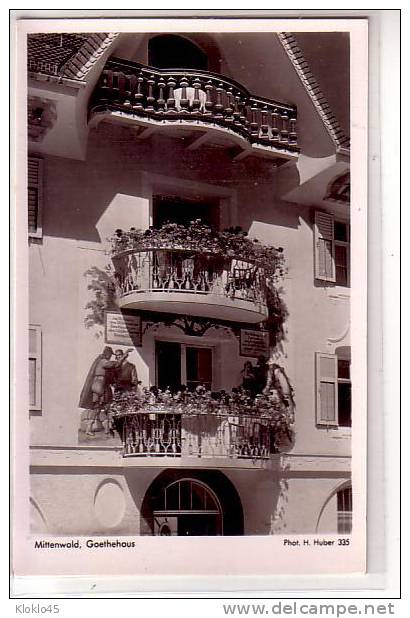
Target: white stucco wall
x,y
86,202
93,501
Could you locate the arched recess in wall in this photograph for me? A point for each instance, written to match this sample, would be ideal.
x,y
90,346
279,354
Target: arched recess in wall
x,y
338,190
38,524
192,503
109,503
335,516
171,51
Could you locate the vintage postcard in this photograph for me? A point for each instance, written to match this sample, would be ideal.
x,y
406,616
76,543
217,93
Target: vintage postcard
x,y
191,306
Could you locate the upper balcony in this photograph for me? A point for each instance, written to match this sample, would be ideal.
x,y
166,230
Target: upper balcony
x,y
198,105
195,271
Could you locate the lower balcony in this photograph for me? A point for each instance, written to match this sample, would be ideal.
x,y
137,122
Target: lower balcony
x,y
227,430
158,434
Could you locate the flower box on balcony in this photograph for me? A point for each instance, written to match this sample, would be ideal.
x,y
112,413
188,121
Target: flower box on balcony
x,y
201,424
195,271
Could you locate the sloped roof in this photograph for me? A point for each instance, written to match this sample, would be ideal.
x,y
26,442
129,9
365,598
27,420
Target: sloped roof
x,y
313,89
72,55
69,55
47,53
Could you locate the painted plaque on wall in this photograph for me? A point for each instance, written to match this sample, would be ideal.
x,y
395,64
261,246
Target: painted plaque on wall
x,y
123,328
254,343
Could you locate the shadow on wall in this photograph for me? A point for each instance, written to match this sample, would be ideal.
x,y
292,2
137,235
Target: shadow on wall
x,y
261,202
243,60
84,190
278,519
116,159
38,524
100,283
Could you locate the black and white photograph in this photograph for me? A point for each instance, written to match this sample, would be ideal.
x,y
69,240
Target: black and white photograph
x,y
196,289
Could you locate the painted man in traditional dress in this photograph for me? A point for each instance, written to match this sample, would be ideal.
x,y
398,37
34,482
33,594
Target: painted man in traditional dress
x,y
96,392
125,376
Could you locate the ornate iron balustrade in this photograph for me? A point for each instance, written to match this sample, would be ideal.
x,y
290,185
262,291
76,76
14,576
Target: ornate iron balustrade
x,y
150,434
190,272
159,434
199,97
210,435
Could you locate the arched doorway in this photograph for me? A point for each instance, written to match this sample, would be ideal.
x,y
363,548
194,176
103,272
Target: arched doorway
x,y
336,514
170,51
188,507
191,503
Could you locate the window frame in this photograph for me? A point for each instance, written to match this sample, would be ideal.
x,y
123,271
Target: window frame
x,y
321,378
344,515
37,356
211,204
346,245
324,232
344,381
183,347
336,380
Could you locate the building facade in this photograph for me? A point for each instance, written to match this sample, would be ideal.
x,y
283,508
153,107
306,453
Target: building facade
x,y
235,417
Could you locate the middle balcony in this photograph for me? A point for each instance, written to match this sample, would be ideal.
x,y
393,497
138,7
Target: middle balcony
x,y
194,271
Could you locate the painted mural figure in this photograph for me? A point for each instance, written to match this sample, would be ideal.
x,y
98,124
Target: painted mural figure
x,y
125,376
96,391
261,373
278,385
248,377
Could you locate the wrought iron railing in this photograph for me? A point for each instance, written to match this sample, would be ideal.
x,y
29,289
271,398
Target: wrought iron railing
x,y
201,423
198,96
160,434
191,272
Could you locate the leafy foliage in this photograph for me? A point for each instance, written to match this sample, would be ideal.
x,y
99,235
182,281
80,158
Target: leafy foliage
x,y
233,242
102,285
270,407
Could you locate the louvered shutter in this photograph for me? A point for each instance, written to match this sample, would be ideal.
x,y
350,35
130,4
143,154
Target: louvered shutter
x,y
34,367
326,389
35,195
324,247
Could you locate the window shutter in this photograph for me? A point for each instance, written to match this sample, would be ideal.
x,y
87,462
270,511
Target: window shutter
x,y
326,389
324,247
35,196
34,367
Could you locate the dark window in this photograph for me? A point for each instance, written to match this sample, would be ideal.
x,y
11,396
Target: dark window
x,y
343,368
179,364
182,211
344,511
342,265
199,367
344,389
210,506
341,231
168,365
342,251
190,510
339,190
170,51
